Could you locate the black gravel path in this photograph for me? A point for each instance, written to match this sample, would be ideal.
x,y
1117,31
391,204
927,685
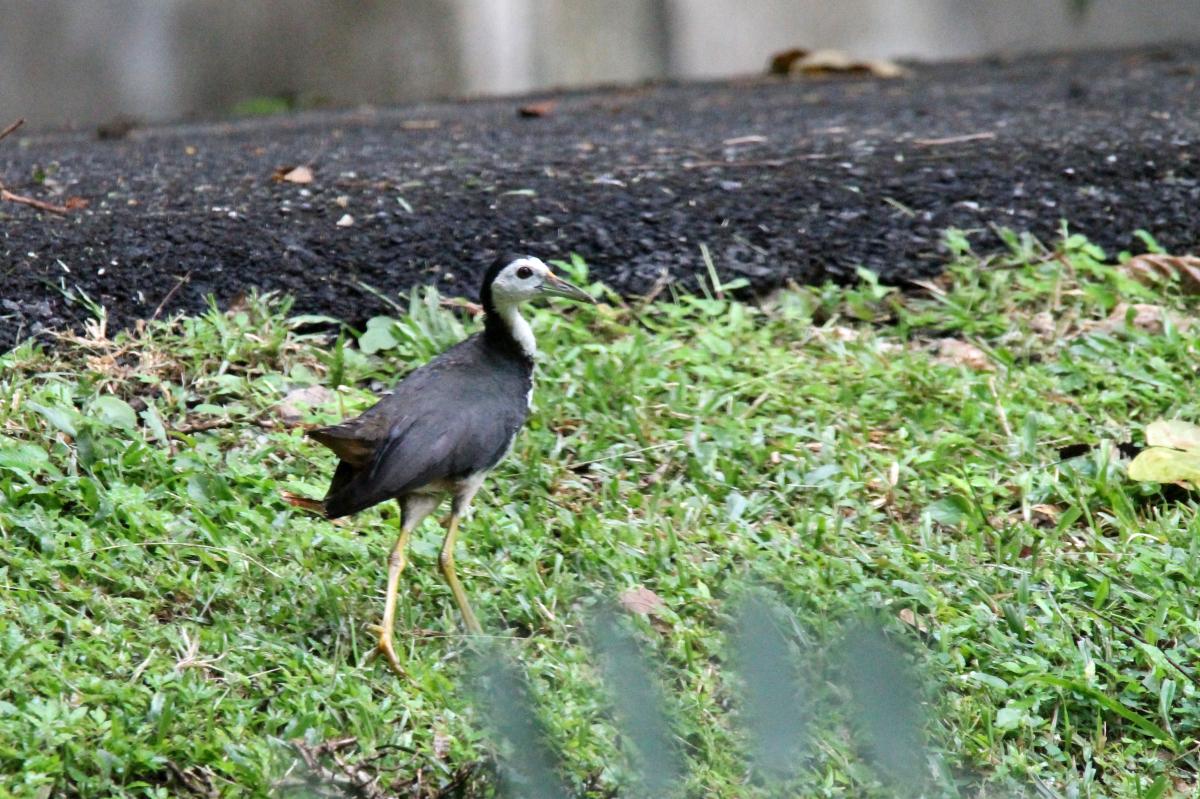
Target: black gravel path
x,y
801,179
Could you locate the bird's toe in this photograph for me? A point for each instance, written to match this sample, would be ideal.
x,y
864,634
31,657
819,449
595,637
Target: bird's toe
x,y
385,648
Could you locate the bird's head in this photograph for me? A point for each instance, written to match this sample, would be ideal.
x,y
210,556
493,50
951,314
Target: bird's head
x,y
514,279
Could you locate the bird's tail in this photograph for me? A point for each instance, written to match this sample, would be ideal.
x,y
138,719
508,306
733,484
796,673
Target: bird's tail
x,y
311,505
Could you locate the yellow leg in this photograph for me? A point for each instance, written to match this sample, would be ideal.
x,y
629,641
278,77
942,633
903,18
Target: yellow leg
x,y
446,562
396,561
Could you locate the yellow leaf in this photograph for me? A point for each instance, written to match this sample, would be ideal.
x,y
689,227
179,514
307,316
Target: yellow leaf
x,y
1173,433
1162,465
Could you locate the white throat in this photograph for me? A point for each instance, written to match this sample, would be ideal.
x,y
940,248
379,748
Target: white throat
x,y
521,332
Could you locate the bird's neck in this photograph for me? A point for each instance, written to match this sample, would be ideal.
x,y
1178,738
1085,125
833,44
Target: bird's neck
x,y
506,322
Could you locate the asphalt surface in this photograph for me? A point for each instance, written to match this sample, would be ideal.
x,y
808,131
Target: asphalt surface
x,y
782,179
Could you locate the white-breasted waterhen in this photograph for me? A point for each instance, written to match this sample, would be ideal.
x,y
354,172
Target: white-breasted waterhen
x,y
443,427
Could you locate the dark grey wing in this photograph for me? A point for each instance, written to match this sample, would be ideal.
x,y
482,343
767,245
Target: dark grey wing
x,y
451,418
451,442
355,440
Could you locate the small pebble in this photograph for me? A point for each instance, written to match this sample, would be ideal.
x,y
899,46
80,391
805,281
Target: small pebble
x,y
345,221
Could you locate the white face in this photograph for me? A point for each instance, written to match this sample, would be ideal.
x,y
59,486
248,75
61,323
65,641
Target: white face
x,y
519,281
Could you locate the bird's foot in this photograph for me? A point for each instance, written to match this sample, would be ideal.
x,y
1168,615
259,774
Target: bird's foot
x,y
384,647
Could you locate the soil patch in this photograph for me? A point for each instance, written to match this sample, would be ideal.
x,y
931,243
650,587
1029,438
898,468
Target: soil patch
x,y
802,179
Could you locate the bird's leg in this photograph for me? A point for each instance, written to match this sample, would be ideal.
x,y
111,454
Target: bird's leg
x,y
446,562
413,510
396,561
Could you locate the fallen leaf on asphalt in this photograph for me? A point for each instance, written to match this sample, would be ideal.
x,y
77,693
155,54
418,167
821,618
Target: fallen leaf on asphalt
x,y
956,352
641,600
831,62
1153,268
115,128
966,137
781,62
300,174
738,141
540,109
75,203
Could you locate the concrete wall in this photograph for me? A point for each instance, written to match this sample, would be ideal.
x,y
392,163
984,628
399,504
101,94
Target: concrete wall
x,y
80,62
720,37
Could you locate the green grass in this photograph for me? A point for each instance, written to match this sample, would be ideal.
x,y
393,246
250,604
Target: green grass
x,y
166,621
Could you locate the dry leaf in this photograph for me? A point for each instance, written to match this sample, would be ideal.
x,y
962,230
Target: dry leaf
x,y
1146,317
75,203
1162,465
831,62
291,408
441,745
239,303
1042,323
985,135
1173,433
641,600
116,128
1173,455
741,141
472,308
541,109
837,333
781,62
912,620
1043,515
1153,268
300,174
956,352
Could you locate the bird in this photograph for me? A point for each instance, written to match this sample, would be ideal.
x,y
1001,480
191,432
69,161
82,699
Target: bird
x,y
443,427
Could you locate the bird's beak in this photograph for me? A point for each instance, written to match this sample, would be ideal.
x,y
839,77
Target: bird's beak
x,y
557,287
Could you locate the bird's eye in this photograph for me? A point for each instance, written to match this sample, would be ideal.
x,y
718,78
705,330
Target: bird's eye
x,y
524,273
